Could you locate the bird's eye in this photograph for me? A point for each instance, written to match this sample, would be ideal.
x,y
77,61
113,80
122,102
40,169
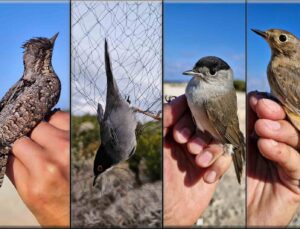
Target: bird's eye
x,y
99,168
282,38
212,72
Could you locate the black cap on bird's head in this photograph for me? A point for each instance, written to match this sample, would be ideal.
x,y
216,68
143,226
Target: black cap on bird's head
x,y
37,46
102,162
280,41
207,66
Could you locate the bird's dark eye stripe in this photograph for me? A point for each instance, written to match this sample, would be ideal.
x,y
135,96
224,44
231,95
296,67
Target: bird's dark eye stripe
x,y
282,38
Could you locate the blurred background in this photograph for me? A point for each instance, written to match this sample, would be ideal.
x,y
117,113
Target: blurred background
x,y
131,193
263,16
21,21
204,28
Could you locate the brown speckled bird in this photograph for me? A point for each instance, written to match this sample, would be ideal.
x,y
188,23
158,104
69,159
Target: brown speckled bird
x,y
284,70
31,98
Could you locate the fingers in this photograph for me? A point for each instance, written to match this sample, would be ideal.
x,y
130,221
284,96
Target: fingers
x,y
265,108
45,131
17,172
60,120
196,144
173,111
215,160
217,170
281,131
284,155
209,155
184,128
28,153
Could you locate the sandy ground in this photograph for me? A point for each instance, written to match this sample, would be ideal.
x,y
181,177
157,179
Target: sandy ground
x,y
13,211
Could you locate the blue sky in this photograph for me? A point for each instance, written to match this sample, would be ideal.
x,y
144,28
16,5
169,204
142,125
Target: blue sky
x,y
194,30
22,21
266,16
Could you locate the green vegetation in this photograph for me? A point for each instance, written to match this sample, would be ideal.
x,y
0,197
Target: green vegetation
x,y
86,140
149,148
239,85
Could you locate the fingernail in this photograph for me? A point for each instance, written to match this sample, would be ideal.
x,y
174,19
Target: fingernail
x,y
272,106
253,100
204,158
200,141
273,143
272,125
165,131
211,176
185,132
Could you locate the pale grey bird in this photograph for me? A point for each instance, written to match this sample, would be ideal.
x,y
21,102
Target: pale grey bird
x,y
117,126
212,100
284,70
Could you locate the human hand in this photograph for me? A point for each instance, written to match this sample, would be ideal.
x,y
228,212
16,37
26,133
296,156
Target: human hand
x,y
192,166
39,168
273,171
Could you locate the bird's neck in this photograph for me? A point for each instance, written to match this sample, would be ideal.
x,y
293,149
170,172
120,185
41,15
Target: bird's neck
x,y
37,66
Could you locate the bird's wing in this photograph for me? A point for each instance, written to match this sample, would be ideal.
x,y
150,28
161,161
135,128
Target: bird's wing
x,y
14,92
285,83
222,112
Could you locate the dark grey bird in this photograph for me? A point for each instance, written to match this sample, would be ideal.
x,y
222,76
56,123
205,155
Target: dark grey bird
x,y
284,70
117,126
31,99
212,100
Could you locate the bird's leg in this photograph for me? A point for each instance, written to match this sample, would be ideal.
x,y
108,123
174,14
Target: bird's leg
x,y
170,98
228,148
127,98
147,113
3,161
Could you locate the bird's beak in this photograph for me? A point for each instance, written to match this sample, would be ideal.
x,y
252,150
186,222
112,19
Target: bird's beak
x,y
94,182
260,33
52,39
193,73
189,72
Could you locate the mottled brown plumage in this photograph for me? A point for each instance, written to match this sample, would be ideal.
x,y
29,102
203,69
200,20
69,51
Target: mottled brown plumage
x,y
31,98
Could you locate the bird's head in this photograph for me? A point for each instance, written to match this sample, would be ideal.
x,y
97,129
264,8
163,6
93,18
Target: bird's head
x,y
102,162
280,41
39,48
211,69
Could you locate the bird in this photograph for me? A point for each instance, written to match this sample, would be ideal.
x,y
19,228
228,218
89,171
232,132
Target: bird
x,y
31,98
117,126
212,101
283,70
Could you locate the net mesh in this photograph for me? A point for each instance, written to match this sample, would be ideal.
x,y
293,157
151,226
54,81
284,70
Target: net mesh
x,y
133,32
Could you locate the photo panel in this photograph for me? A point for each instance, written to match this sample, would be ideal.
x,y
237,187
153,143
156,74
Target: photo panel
x,y
34,59
273,130
116,113
204,44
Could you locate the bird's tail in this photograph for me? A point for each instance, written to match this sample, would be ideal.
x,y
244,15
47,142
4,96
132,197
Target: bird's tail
x,y
112,87
238,158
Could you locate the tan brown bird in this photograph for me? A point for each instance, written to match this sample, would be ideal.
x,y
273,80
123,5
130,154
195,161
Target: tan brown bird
x,y
284,70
